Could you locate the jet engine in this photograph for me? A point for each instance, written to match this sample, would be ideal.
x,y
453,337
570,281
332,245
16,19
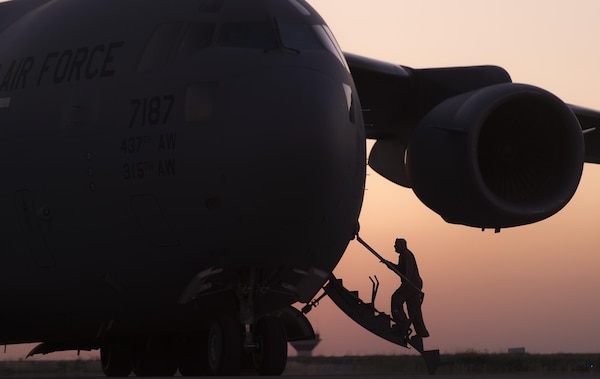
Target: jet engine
x,y
500,156
476,148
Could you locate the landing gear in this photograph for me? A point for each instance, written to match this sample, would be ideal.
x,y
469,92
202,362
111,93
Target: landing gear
x,y
153,363
219,351
154,357
270,353
193,355
268,350
143,356
225,347
115,359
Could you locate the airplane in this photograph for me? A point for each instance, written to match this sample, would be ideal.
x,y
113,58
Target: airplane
x,y
179,173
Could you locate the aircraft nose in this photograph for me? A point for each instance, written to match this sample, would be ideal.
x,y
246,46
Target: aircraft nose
x,y
295,154
291,108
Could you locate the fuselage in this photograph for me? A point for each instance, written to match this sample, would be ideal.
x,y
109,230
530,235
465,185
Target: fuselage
x,y
145,143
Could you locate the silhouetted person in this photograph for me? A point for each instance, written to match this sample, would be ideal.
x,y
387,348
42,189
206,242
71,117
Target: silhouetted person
x,y
409,292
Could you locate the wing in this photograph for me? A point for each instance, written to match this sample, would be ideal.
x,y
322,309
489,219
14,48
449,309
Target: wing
x,y
476,148
589,120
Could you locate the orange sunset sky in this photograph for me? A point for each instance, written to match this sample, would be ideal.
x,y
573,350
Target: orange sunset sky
x,y
534,286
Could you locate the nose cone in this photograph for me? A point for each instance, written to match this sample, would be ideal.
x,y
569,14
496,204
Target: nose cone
x,y
295,161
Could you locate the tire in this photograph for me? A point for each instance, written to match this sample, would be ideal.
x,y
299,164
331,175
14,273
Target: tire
x,y
154,364
193,355
270,356
116,359
225,347
153,359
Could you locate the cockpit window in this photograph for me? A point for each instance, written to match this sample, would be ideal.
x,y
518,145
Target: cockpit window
x,y
251,35
299,37
197,36
330,43
301,8
159,47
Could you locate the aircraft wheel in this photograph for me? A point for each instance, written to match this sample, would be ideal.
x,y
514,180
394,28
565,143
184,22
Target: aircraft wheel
x,y
270,356
115,359
154,364
225,347
193,355
156,358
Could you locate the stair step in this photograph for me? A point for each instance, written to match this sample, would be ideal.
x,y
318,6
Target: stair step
x,y
378,323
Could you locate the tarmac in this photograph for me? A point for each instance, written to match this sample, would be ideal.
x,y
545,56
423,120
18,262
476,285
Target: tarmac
x,y
332,371
525,375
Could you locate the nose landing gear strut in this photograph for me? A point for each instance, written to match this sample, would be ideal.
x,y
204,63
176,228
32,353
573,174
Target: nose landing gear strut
x,y
232,343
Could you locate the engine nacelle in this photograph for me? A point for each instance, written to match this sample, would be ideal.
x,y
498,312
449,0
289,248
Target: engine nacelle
x,y
501,156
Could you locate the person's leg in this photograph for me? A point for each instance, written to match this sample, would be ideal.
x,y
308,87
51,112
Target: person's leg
x,y
398,314
413,305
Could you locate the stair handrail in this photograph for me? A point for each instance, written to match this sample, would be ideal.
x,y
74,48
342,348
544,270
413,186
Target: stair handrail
x,y
389,265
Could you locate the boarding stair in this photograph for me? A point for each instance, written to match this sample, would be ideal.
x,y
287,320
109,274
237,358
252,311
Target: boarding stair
x,y
366,315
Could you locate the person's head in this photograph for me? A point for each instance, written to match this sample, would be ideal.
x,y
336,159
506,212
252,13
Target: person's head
x,y
400,245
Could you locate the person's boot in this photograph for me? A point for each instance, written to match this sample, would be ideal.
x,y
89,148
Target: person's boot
x,y
421,331
417,343
419,327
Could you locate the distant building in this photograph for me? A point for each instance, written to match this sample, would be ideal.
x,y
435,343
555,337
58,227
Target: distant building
x,y
305,348
516,350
